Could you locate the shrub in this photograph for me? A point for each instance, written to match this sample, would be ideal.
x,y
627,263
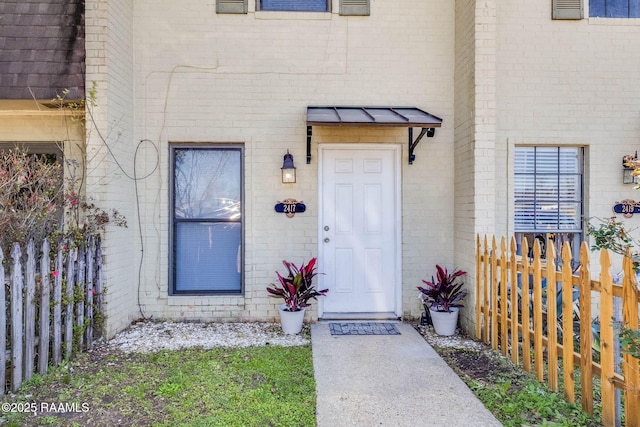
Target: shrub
x,y
37,201
30,196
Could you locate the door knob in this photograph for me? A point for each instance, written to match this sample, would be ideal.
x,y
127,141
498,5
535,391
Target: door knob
x,y
326,240
326,228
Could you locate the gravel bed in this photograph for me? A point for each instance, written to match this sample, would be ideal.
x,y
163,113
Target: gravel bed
x,y
147,337
459,340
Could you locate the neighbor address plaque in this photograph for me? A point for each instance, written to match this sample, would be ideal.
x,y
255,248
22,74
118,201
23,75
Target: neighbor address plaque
x,y
627,207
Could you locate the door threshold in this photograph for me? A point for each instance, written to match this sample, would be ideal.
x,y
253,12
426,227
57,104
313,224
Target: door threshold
x,y
360,316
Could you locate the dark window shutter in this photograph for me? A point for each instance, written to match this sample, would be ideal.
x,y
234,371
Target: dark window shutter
x,y
231,6
354,7
567,9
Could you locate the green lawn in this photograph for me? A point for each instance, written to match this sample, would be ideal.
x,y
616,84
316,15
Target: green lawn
x,y
257,386
515,397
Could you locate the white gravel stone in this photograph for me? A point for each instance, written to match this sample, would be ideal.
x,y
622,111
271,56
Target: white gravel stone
x,y
454,341
146,337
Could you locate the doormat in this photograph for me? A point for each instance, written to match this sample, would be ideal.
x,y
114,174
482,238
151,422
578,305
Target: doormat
x,y
369,328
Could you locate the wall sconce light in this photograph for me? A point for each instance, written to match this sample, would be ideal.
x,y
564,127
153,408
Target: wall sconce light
x,y
288,169
627,172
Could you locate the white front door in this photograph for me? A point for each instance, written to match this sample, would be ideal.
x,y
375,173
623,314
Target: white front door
x,y
360,229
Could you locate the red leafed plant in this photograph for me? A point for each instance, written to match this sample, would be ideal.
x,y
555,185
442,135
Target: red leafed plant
x,y
297,288
444,293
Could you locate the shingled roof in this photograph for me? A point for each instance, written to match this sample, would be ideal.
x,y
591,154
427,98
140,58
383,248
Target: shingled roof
x,y
41,49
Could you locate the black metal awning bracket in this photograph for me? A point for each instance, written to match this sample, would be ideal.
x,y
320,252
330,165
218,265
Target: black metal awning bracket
x,y
412,144
309,133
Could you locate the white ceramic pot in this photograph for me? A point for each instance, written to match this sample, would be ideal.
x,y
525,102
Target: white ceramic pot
x,y
445,322
291,321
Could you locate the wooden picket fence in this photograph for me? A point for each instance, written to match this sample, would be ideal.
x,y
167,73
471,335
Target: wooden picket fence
x,y
49,303
533,334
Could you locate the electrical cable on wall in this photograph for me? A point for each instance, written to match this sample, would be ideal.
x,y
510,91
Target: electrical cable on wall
x,y
133,177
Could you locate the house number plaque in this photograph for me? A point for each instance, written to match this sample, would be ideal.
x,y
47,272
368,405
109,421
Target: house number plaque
x,y
290,207
627,208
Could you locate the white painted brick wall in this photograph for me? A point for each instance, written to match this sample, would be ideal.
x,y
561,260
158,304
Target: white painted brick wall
x,y
464,129
550,83
475,129
510,76
520,78
570,83
202,77
110,149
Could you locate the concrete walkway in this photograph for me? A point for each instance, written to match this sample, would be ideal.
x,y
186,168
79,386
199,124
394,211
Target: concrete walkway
x,y
389,380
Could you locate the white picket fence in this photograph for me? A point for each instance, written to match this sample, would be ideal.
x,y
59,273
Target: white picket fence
x,y
49,304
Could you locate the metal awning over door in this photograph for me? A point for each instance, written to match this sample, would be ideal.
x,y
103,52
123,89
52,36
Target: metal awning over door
x,y
408,117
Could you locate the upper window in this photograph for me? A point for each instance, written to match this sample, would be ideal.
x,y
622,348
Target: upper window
x,y
614,8
295,5
206,220
347,7
548,195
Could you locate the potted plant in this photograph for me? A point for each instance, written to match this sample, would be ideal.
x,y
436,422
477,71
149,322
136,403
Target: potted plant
x,y
442,297
296,289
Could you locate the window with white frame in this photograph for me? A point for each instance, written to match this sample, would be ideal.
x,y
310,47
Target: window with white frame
x,y
614,8
548,196
206,220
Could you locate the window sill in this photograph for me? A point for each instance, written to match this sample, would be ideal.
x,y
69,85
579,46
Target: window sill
x,y
634,22
178,300
282,15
